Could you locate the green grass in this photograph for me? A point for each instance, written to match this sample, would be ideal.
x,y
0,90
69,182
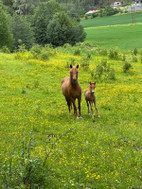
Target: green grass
x,y
124,37
112,20
42,146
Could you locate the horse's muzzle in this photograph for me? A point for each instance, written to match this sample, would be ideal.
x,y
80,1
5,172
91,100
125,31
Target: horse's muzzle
x,y
74,80
92,92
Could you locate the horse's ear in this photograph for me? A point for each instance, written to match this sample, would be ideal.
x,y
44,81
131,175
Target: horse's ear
x,y
94,83
90,82
70,66
77,66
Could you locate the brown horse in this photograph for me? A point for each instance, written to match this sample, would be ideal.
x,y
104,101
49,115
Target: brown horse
x,y
71,89
90,98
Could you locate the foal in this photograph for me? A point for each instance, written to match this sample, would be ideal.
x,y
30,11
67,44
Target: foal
x,y
90,98
71,89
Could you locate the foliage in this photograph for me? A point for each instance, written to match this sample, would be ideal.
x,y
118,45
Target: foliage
x,y
6,37
42,16
114,53
22,31
24,6
126,67
59,30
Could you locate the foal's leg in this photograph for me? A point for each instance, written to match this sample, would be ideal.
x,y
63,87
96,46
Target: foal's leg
x,y
96,107
88,106
91,104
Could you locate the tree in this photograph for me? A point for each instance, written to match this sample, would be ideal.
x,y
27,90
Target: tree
x,y
78,34
59,30
63,30
22,31
6,37
24,6
42,16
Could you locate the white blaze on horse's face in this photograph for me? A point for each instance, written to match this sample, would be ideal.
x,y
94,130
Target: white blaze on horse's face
x,y
74,73
92,87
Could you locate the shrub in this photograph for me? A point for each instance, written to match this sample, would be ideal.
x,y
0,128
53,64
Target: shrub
x,y
134,59
111,74
99,70
102,51
77,52
135,51
39,52
126,67
141,59
85,63
114,53
124,58
36,50
5,49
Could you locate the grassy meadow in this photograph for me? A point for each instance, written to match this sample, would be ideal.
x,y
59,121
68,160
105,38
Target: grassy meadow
x,y
42,146
124,37
114,31
117,19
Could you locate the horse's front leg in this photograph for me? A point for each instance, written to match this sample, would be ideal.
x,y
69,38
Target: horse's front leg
x,y
88,106
91,104
79,106
75,109
69,105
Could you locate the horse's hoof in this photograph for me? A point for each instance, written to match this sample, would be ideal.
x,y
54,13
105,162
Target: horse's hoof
x,y
79,117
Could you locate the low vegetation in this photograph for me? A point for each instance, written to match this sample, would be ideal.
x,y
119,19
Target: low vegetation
x,y
42,146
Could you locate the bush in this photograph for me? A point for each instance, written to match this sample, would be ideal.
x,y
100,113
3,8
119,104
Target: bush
x,y
134,59
77,52
111,74
135,51
126,67
114,53
99,70
39,52
85,63
5,49
141,59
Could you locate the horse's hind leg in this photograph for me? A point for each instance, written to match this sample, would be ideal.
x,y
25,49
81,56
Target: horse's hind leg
x,y
79,106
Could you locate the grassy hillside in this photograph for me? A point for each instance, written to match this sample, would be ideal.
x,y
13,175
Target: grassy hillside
x,y
42,146
124,36
112,20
